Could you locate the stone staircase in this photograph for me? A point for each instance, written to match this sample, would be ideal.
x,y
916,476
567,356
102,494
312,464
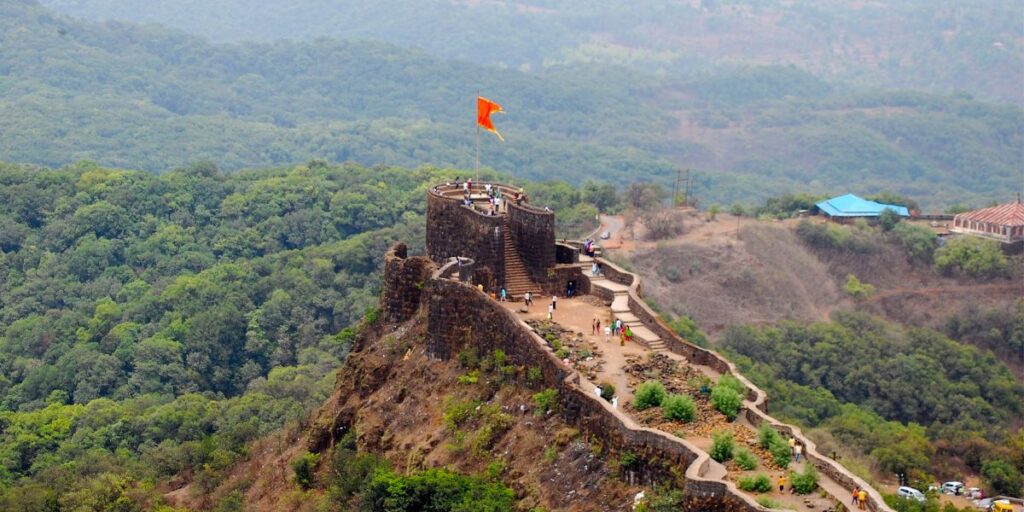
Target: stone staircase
x,y
517,277
620,311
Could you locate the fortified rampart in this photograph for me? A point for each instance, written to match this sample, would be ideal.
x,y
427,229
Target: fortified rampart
x,y
458,315
455,230
533,234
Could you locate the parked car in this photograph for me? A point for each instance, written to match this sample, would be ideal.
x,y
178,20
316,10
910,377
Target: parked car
x,y
1001,506
606,235
974,493
910,493
955,488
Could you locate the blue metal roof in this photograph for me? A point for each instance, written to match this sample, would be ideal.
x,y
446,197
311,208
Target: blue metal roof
x,y
854,206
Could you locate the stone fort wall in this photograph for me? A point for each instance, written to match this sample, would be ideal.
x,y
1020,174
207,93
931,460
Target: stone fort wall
x,y
533,234
454,230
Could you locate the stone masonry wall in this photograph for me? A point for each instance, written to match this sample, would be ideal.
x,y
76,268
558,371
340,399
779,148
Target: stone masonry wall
x,y
756,403
454,230
533,234
458,316
404,281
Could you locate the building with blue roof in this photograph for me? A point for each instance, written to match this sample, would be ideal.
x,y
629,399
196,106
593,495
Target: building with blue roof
x,y
849,207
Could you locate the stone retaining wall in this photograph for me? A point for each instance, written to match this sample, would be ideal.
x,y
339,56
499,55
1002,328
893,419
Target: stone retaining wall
x,y
459,316
533,234
756,403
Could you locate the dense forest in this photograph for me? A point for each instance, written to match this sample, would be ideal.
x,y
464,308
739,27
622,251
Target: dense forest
x,y
145,97
937,45
152,324
908,400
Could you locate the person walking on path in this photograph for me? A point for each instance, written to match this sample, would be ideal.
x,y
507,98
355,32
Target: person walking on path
x,y
554,302
504,294
798,450
528,299
782,483
597,328
862,498
551,311
856,493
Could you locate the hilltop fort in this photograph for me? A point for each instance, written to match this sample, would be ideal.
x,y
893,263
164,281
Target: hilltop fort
x,y
474,249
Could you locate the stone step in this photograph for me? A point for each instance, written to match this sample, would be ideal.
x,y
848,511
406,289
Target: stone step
x,y
627,317
645,334
620,304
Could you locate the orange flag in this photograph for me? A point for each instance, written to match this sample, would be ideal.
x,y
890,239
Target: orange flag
x,y
484,109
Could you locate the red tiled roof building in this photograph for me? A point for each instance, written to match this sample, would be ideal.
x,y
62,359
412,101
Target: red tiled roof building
x,y
1004,223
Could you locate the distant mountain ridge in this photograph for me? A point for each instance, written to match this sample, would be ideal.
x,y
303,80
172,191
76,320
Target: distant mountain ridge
x,y
145,97
940,46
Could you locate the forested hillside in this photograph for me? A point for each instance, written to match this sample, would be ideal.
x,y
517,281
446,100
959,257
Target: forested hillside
x,y
144,97
936,45
156,324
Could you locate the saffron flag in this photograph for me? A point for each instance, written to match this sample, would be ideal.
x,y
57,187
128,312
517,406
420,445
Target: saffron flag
x,y
484,109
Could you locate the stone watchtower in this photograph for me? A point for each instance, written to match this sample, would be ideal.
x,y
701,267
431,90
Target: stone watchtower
x,y
513,246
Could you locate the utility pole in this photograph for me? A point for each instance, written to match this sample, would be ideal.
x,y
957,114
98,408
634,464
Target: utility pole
x,y
689,182
675,188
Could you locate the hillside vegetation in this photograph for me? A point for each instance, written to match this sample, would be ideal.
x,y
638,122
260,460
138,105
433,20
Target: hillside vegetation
x,y
939,45
144,97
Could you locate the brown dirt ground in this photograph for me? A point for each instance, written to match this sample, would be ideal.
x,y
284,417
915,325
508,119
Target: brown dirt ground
x,y
396,396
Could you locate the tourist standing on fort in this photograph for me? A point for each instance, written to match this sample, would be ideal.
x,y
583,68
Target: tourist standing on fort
x,y
798,450
862,498
554,302
856,493
504,294
551,311
528,299
782,483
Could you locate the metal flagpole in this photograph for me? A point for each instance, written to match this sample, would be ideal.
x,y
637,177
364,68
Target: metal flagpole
x,y
478,140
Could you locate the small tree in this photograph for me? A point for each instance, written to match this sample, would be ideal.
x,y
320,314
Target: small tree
x,y
781,452
679,408
721,446
888,219
766,436
304,467
757,483
746,460
713,211
649,394
806,481
726,400
857,289
546,400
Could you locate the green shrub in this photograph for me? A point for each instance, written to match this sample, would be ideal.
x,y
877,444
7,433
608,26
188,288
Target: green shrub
x,y
688,329
649,394
726,400
973,256
746,460
757,483
350,471
679,408
857,289
534,375
732,383
468,358
721,446
470,378
628,460
781,452
806,481
767,502
607,391
457,412
766,436
546,400
435,489
304,467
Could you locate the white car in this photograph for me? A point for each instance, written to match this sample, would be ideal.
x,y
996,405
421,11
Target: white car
x,y
954,487
910,493
606,235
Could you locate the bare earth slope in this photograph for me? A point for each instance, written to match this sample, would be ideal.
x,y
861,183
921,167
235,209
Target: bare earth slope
x,y
395,397
768,274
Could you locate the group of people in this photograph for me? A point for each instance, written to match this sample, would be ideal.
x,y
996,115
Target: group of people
x,y
588,247
495,198
860,498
